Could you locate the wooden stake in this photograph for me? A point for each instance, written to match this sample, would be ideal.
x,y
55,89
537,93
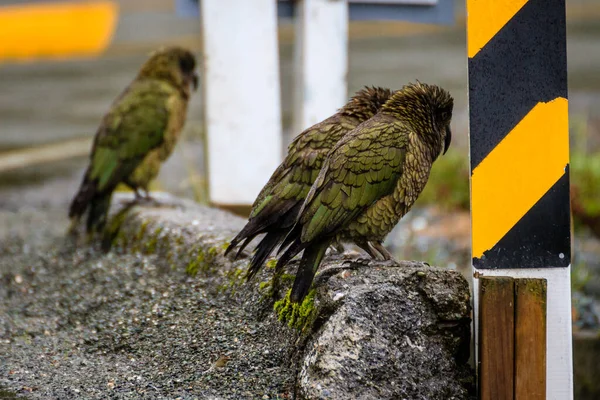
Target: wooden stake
x,y
530,339
496,338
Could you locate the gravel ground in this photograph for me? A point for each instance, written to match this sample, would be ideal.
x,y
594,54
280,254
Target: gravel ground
x,y
78,324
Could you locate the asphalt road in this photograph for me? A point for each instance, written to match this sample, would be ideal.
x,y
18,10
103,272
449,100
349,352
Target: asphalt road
x,y
56,100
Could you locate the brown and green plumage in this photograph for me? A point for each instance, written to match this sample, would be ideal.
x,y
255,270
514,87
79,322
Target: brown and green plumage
x,y
275,209
138,132
370,179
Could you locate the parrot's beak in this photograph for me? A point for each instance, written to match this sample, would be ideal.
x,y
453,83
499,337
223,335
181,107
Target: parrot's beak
x,y
195,80
448,139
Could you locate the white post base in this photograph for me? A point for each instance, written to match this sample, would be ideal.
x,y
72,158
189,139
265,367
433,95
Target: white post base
x,y
559,347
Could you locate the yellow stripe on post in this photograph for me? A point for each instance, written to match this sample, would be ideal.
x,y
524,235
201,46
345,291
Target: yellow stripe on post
x,y
56,30
486,18
517,173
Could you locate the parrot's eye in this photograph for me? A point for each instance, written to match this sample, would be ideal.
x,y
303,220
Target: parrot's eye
x,y
444,115
187,63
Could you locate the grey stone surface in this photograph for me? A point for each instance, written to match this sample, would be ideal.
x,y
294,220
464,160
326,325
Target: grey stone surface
x,y
77,323
396,333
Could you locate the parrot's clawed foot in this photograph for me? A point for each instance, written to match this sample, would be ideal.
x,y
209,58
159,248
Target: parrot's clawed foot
x,y
73,229
384,253
388,263
350,261
358,260
140,198
338,247
144,198
138,195
147,196
364,261
348,265
350,256
151,201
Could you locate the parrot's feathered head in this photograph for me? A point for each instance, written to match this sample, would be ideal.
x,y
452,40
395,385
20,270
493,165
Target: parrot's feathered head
x,y
366,102
173,64
428,108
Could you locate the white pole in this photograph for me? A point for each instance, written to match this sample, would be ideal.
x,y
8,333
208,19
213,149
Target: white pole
x,y
559,352
241,97
321,55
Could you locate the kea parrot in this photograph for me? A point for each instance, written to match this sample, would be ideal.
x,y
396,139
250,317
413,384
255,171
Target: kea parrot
x,y
137,133
275,209
370,179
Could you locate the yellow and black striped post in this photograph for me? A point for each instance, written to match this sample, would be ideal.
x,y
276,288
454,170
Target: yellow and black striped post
x,y
520,207
519,133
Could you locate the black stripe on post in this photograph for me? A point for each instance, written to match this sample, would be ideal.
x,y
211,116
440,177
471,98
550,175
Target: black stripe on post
x,y
542,238
523,64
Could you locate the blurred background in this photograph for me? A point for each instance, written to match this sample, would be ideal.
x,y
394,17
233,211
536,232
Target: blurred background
x,y
51,105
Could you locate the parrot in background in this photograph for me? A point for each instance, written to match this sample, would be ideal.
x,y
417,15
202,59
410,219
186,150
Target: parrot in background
x,y
370,180
275,209
136,134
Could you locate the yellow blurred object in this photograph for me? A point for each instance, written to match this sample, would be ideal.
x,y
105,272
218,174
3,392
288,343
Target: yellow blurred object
x,y
57,29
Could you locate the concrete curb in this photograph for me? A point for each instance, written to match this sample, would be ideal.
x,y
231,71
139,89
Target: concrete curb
x,y
367,330
180,232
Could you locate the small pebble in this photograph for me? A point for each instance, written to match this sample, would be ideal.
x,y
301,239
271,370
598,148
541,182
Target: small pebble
x,y
338,296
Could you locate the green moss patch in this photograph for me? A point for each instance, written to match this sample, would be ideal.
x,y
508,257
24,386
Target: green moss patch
x,y
296,315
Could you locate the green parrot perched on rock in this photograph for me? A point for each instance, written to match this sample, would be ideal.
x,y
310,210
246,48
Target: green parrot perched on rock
x,y
137,134
275,209
370,179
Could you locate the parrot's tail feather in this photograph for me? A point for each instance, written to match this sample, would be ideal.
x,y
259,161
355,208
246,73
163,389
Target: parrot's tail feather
x,y
263,251
311,259
286,257
233,244
99,206
242,235
247,233
270,219
292,236
80,202
243,246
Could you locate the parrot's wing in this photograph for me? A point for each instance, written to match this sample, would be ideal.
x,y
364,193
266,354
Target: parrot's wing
x,y
362,168
135,124
276,208
292,180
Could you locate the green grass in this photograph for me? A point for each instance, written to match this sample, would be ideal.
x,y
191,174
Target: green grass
x,y
585,179
448,185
